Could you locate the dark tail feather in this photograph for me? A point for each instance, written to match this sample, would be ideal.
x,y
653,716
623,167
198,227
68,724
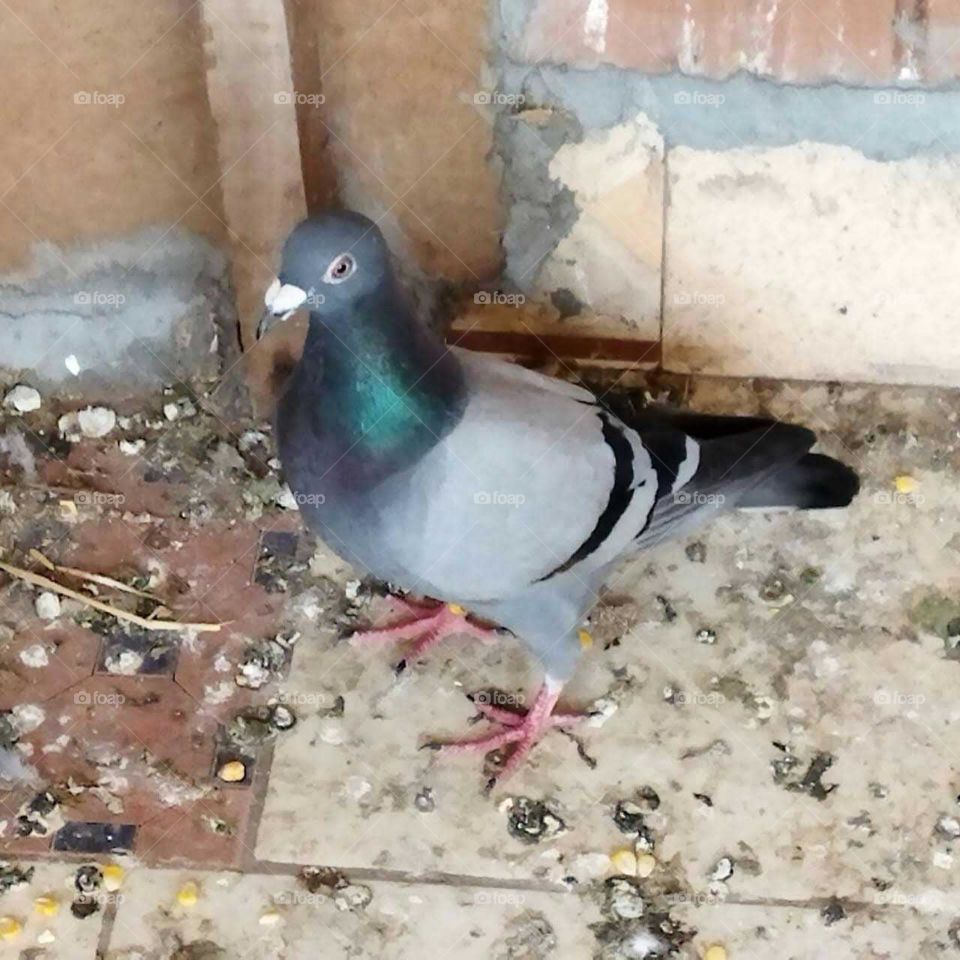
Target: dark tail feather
x,y
814,482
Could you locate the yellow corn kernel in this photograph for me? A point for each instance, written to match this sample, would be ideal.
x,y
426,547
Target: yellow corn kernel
x,y
586,641
905,483
646,864
715,952
624,861
233,771
113,875
188,894
456,609
47,905
10,928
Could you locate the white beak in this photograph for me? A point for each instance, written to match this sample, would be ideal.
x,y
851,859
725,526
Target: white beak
x,y
281,301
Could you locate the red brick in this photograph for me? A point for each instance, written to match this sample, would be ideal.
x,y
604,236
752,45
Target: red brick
x,y
796,41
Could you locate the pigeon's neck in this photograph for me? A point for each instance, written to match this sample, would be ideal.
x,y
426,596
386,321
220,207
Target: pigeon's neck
x,y
380,387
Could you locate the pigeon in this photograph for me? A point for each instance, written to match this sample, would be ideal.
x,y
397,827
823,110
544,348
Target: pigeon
x,y
503,494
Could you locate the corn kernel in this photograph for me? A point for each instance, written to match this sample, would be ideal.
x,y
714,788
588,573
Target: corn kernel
x,y
715,952
233,771
456,609
624,861
646,864
586,641
10,928
188,894
46,906
113,875
905,483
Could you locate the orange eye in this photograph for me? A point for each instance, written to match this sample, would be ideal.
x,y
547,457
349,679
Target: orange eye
x,y
341,268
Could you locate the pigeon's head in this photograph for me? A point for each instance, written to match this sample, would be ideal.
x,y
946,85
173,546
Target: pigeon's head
x,y
329,261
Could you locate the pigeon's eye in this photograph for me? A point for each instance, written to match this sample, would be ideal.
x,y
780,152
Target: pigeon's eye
x,y
341,268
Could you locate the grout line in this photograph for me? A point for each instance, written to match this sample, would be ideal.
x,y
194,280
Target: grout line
x,y
663,250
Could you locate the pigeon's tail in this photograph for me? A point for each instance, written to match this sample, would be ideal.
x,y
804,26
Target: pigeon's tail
x,y
743,462
814,482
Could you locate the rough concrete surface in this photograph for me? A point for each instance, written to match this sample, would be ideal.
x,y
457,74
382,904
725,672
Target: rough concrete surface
x,y
770,768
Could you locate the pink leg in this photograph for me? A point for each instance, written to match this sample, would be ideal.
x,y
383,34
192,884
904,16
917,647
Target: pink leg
x,y
523,730
426,624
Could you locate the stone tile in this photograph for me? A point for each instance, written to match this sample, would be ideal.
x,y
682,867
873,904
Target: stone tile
x,y
793,932
74,939
811,261
400,920
793,43
834,665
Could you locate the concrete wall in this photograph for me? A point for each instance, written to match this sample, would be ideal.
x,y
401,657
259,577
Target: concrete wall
x,y
659,170
110,220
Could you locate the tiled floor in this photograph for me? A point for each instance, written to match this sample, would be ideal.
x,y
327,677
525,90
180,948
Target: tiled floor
x,y
776,734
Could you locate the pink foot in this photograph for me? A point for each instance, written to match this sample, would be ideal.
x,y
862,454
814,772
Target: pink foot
x,y
428,624
524,730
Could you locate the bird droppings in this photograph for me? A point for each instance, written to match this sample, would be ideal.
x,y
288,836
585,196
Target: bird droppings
x,y
48,606
786,768
262,663
624,898
707,635
696,552
13,876
23,399
424,800
722,870
532,821
948,827
527,936
775,592
833,911
84,906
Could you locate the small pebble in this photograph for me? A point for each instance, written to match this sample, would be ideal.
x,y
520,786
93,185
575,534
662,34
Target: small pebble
x,y
188,894
233,771
269,918
23,399
171,411
948,827
48,606
72,364
46,936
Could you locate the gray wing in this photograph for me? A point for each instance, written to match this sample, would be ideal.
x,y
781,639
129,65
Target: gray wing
x,y
536,480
